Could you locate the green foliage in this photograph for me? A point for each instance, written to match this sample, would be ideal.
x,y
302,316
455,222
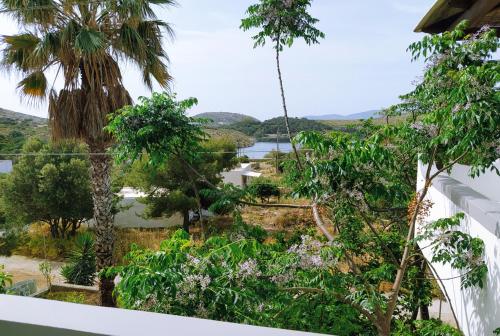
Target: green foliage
x,y
238,278
45,268
262,130
72,297
457,102
81,269
157,126
5,280
430,327
264,189
282,22
42,245
176,186
457,248
10,240
53,189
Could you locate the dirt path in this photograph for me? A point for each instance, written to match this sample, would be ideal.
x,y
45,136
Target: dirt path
x,y
23,268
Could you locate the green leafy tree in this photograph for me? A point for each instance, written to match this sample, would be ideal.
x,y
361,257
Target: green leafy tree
x,y
174,188
365,180
283,22
81,269
167,145
53,189
82,42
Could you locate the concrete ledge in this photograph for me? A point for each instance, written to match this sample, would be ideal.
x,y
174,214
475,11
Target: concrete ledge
x,y
23,316
479,207
64,287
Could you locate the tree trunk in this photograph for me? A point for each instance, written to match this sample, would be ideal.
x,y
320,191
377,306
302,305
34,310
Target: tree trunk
x,y
384,329
103,218
185,221
285,110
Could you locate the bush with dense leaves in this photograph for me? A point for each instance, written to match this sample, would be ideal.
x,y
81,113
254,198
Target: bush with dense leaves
x,y
239,277
81,269
263,189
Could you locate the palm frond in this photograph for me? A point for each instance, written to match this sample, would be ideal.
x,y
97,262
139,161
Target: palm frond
x,y
41,12
34,85
18,49
90,41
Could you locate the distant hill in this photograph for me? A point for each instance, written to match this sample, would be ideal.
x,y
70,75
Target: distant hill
x,y
16,116
269,128
355,116
16,128
224,118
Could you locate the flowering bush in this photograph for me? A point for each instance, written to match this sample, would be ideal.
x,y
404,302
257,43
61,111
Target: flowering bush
x,y
285,283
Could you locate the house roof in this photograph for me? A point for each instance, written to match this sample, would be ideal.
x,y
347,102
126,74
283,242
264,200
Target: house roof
x,y
446,14
251,174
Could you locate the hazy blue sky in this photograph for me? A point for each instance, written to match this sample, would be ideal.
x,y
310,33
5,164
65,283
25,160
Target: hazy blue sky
x,y
361,65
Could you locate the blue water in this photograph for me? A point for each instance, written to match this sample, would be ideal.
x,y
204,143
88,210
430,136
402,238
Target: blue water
x,y
260,149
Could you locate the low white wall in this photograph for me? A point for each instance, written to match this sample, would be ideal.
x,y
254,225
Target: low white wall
x,y
22,316
131,217
477,310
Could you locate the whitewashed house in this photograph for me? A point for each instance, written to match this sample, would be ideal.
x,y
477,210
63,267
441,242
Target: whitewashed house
x,y
5,166
240,176
476,310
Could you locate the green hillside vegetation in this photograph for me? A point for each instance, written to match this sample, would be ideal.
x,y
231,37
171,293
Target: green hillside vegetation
x,y
339,124
219,119
240,139
269,128
16,128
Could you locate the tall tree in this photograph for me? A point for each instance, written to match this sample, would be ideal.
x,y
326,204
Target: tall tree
x,y
282,21
174,188
83,41
53,189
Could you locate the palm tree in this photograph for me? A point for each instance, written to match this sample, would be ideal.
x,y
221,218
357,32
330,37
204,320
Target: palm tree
x,y
82,41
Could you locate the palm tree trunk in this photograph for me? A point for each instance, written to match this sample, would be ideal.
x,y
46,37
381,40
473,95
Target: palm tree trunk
x,y
103,218
285,110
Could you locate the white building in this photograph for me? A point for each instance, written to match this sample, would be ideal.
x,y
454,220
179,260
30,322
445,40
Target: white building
x,y
132,214
240,176
476,310
5,166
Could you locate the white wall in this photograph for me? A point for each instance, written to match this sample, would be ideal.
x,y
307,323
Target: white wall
x,y
22,316
483,184
477,310
131,217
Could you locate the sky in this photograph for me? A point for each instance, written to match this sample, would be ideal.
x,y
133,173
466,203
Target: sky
x,y
361,65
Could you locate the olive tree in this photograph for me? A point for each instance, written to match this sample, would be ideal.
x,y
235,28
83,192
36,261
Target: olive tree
x,y
51,186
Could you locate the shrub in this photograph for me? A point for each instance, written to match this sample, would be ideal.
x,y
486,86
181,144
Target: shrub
x,y
5,280
238,278
81,269
38,243
9,241
263,189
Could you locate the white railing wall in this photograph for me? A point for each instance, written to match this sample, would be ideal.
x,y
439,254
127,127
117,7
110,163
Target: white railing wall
x,y
477,310
24,316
